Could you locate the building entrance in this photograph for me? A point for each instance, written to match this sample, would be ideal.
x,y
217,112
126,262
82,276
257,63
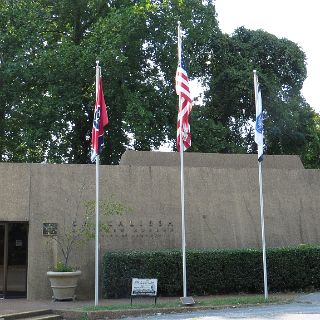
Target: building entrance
x,y
13,259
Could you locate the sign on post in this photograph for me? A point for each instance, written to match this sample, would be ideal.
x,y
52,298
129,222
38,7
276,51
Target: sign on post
x,y
144,287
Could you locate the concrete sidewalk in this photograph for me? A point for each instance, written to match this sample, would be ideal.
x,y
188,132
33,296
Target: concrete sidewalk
x,y
9,306
312,298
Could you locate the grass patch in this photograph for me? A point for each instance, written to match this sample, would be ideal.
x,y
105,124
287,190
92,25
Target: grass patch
x,y
239,300
211,301
171,304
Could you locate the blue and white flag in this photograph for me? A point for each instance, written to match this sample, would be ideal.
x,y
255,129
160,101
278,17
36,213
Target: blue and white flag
x,y
258,135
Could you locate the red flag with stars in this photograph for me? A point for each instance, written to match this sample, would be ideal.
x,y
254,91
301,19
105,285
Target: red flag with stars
x,y
100,120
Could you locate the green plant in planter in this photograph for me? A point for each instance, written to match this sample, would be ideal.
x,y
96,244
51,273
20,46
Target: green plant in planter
x,y
61,267
82,229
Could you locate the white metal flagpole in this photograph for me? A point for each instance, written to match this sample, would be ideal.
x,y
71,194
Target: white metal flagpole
x,y
96,282
264,256
183,230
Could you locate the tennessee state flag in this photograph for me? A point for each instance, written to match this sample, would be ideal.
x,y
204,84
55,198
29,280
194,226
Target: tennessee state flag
x,y
100,120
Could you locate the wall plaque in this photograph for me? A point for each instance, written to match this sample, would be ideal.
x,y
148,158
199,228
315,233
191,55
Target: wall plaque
x,y
50,229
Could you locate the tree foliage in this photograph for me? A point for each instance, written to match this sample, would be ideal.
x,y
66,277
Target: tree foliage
x,y
48,114
48,51
281,67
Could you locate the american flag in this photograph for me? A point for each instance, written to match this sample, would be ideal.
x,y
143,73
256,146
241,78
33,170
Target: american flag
x,y
100,120
185,105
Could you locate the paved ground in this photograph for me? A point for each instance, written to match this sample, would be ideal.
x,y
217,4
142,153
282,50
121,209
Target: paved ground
x,y
280,312
8,306
304,307
19,305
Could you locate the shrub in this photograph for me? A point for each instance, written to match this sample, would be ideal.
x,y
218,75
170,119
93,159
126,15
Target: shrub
x,y
214,271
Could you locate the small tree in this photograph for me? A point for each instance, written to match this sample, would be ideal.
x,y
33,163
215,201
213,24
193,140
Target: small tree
x,y
82,230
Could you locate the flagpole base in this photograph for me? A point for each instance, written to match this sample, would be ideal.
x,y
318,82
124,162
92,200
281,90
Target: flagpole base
x,y
187,301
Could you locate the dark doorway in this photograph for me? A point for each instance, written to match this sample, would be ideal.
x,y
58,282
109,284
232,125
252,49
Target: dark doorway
x,y
13,259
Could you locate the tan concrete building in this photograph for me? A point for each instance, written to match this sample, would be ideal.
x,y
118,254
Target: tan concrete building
x,y
221,200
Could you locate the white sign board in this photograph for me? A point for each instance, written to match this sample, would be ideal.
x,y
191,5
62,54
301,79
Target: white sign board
x,y
144,287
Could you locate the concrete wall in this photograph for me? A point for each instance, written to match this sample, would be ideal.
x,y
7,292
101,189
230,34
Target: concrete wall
x,y
210,160
222,208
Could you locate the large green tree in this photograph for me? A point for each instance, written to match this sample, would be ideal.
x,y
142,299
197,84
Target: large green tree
x,y
229,98
50,71
48,51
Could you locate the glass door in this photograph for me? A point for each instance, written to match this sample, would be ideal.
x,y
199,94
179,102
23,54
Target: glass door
x,y
13,259
3,258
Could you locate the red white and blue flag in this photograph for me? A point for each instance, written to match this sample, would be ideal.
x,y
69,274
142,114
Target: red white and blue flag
x,y
100,120
185,104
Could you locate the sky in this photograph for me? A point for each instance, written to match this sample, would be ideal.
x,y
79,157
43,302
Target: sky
x,y
296,20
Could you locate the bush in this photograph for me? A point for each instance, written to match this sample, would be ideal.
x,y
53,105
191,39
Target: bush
x,y
214,271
